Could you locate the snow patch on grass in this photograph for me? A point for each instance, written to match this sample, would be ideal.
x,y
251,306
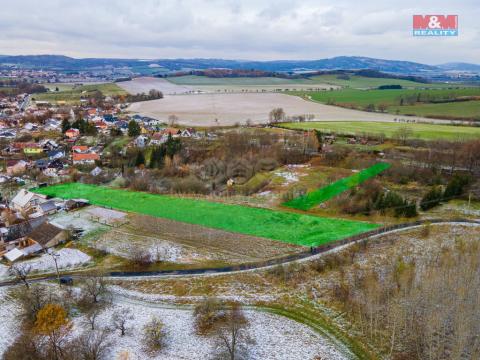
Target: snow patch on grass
x,y
67,258
9,325
275,337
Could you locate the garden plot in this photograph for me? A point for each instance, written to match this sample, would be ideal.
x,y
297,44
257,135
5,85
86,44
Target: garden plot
x,y
275,337
66,259
9,325
106,216
78,219
130,245
288,227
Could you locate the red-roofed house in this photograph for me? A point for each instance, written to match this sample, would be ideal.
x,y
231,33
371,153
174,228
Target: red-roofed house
x,y
79,148
72,133
80,159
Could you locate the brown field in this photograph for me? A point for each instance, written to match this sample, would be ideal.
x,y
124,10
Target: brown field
x,y
145,84
229,109
188,244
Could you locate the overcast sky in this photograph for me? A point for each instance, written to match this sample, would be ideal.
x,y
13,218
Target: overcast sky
x,y
235,29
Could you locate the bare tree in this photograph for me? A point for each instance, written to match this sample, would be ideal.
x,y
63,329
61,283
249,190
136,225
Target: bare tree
x,y
172,120
21,272
94,288
92,345
91,317
403,134
276,115
120,318
232,337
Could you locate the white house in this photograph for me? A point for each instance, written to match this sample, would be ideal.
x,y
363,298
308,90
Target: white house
x,y
25,200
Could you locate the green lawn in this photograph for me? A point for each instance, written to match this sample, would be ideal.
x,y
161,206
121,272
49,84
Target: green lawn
x,y
389,129
325,193
284,226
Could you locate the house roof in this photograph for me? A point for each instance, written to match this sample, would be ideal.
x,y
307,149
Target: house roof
x,y
24,196
14,255
79,148
44,233
48,206
85,157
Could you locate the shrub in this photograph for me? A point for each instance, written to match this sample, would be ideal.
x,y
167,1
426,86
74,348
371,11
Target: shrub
x,y
431,199
207,314
456,186
153,335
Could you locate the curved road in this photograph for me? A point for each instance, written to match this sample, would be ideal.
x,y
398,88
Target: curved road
x,y
297,257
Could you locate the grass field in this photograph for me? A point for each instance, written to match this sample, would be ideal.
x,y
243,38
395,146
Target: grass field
x,y
359,99
325,193
418,131
466,109
288,227
73,94
362,82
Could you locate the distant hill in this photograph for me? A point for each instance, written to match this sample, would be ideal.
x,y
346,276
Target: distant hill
x,y
65,63
460,66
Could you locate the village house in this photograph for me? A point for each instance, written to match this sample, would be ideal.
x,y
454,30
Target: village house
x,y
26,200
84,158
32,149
141,141
47,236
72,133
16,167
80,149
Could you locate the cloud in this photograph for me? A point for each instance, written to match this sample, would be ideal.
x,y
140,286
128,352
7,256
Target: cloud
x,y
247,29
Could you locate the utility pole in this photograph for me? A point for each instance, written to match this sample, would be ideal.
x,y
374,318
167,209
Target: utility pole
x,y
55,257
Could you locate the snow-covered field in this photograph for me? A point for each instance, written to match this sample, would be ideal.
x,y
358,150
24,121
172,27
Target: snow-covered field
x,y
3,271
8,323
66,258
274,337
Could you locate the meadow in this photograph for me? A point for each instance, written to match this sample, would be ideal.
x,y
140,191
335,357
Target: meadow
x,y
363,82
328,192
390,129
72,94
289,227
391,99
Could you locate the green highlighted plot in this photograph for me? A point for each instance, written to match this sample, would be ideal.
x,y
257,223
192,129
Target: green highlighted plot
x,y
390,129
326,193
284,226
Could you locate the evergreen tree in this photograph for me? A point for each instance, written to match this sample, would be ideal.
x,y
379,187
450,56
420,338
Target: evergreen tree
x,y
133,128
65,125
431,198
140,159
